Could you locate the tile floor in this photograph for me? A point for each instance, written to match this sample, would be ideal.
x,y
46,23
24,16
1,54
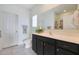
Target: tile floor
x,y
17,50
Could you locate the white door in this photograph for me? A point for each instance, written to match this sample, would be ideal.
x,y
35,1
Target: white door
x,y
1,29
9,29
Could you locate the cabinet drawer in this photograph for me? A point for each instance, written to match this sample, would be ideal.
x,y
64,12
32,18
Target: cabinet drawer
x,y
60,51
70,46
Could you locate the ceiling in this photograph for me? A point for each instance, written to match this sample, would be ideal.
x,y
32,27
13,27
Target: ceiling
x,y
67,7
57,10
27,6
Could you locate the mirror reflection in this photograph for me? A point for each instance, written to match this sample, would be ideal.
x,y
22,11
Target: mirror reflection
x,y
61,17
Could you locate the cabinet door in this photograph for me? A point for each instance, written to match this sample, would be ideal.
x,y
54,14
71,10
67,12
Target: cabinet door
x,y
1,29
34,43
69,46
49,49
39,47
60,51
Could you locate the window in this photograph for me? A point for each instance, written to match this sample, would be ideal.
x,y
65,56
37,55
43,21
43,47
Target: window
x,y
34,21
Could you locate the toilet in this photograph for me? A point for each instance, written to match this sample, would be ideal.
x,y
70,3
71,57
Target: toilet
x,y
28,43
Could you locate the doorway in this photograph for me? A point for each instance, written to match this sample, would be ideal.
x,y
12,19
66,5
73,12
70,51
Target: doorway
x,y
8,29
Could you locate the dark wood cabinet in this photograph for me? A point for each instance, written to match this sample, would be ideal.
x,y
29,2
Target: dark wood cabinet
x,y
60,51
50,46
49,49
37,44
71,47
39,47
34,43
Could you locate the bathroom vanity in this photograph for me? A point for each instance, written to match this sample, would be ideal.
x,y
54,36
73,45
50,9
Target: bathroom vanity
x,y
58,43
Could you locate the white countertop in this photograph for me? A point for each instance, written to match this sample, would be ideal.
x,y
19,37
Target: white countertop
x,y
64,35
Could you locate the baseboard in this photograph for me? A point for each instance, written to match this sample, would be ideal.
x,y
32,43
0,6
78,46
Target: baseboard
x,y
12,45
9,47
